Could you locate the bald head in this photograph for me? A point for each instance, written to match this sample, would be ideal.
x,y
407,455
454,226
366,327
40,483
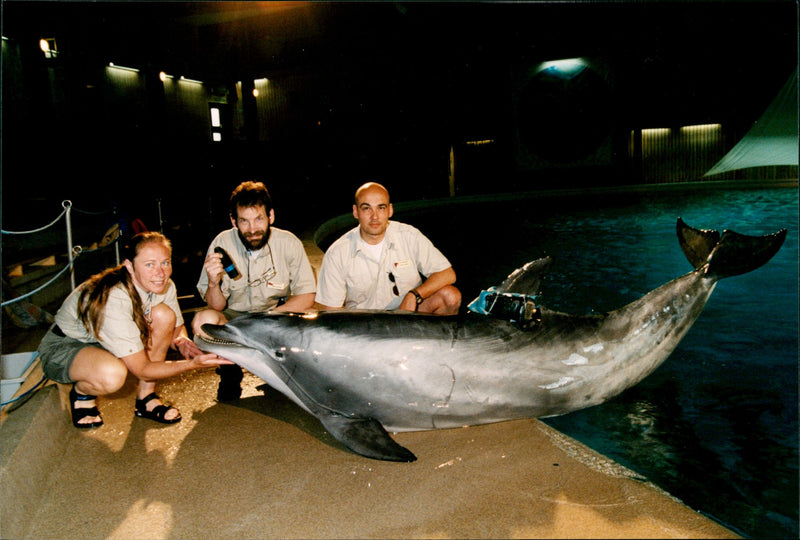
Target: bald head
x,y
371,188
372,209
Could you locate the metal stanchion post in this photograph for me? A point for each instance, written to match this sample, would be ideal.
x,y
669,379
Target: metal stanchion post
x,y
68,207
119,235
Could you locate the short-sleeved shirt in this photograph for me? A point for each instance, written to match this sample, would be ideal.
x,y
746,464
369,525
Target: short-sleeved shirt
x,y
352,278
278,270
119,334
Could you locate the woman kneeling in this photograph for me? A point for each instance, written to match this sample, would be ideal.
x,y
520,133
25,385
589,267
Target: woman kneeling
x,y
122,319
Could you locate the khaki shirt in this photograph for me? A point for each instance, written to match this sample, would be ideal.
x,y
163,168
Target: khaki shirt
x,y
119,334
264,279
350,277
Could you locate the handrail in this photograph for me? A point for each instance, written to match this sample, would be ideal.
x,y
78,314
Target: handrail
x,y
40,229
72,251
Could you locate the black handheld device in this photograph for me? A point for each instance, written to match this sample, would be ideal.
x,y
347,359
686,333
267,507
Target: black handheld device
x,y
227,263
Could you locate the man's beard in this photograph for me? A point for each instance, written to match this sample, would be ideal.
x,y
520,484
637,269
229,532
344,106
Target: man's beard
x,y
261,243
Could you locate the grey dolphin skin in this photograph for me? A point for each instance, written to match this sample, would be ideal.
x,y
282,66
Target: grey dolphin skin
x,y
363,373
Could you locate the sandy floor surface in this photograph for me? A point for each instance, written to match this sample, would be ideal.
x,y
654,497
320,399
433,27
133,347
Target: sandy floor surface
x,y
261,467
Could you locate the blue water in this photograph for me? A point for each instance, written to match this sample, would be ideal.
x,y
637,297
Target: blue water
x,y
717,424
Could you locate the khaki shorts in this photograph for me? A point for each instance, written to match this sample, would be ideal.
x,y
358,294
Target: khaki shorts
x,y
57,352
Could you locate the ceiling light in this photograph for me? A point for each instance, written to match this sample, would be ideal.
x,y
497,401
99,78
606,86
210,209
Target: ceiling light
x,y
568,68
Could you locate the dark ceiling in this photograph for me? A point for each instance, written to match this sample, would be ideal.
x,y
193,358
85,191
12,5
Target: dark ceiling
x,y
413,73
657,43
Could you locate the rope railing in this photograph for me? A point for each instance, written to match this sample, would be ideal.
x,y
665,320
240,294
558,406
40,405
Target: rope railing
x,y
40,229
40,288
72,251
78,250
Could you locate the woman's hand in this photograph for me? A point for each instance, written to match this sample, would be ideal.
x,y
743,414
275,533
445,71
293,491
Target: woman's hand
x,y
208,360
187,347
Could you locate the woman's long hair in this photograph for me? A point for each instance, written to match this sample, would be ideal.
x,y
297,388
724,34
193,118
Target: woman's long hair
x,y
95,290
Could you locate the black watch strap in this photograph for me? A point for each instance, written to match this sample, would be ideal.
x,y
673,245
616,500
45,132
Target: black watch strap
x,y
418,297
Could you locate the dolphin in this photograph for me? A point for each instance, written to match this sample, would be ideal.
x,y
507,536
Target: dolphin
x,y
364,374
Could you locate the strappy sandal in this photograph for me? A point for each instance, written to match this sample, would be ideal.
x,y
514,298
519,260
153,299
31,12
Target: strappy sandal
x,y
80,414
158,413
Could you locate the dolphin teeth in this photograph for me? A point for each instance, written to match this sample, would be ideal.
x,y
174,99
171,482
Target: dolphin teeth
x,y
217,341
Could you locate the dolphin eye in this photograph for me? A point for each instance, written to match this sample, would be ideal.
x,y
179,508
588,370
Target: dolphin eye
x,y
279,354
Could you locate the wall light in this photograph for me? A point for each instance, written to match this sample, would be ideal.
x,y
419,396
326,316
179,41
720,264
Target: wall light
x,y
123,68
656,132
701,127
48,47
255,92
480,142
184,79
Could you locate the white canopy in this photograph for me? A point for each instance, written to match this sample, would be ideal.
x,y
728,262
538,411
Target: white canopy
x,y
773,138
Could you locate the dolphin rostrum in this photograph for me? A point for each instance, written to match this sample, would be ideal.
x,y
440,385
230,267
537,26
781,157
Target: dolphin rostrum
x,y
362,373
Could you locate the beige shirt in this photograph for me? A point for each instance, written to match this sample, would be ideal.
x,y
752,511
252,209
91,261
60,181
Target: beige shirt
x,y
278,270
119,334
352,278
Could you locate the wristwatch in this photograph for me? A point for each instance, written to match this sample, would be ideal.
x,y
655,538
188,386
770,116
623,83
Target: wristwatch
x,y
418,297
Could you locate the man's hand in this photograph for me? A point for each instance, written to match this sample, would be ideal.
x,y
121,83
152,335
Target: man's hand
x,y
214,269
409,302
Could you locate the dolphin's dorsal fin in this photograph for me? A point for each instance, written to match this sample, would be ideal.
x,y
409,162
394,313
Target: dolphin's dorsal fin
x,y
365,436
527,279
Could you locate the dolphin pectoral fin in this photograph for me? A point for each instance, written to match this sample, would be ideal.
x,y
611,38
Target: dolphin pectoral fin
x,y
365,436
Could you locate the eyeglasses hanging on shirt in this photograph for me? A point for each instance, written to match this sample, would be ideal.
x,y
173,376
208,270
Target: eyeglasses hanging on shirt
x,y
266,276
394,284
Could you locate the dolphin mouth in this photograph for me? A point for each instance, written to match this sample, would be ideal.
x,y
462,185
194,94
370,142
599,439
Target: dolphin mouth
x,y
216,341
215,334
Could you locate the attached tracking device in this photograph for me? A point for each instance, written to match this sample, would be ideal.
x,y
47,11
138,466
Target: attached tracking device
x,y
517,308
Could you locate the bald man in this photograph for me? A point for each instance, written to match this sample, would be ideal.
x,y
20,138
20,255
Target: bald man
x,y
385,265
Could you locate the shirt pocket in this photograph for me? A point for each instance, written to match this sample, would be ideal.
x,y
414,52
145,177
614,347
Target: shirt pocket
x,y
406,277
237,285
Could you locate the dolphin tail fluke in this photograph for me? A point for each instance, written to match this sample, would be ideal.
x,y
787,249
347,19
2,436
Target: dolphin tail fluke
x,y
365,436
697,244
729,254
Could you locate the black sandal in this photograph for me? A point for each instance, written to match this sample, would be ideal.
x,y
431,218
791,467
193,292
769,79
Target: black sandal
x,y
158,413
80,414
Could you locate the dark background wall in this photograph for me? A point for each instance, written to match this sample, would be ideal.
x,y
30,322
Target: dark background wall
x,y
362,91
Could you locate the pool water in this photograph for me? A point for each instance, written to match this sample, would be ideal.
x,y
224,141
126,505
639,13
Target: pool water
x,y
717,424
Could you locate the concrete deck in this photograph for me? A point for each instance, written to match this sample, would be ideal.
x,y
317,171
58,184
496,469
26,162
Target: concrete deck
x,y
261,467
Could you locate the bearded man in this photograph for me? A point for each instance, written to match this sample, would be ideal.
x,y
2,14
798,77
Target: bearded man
x,y
266,269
